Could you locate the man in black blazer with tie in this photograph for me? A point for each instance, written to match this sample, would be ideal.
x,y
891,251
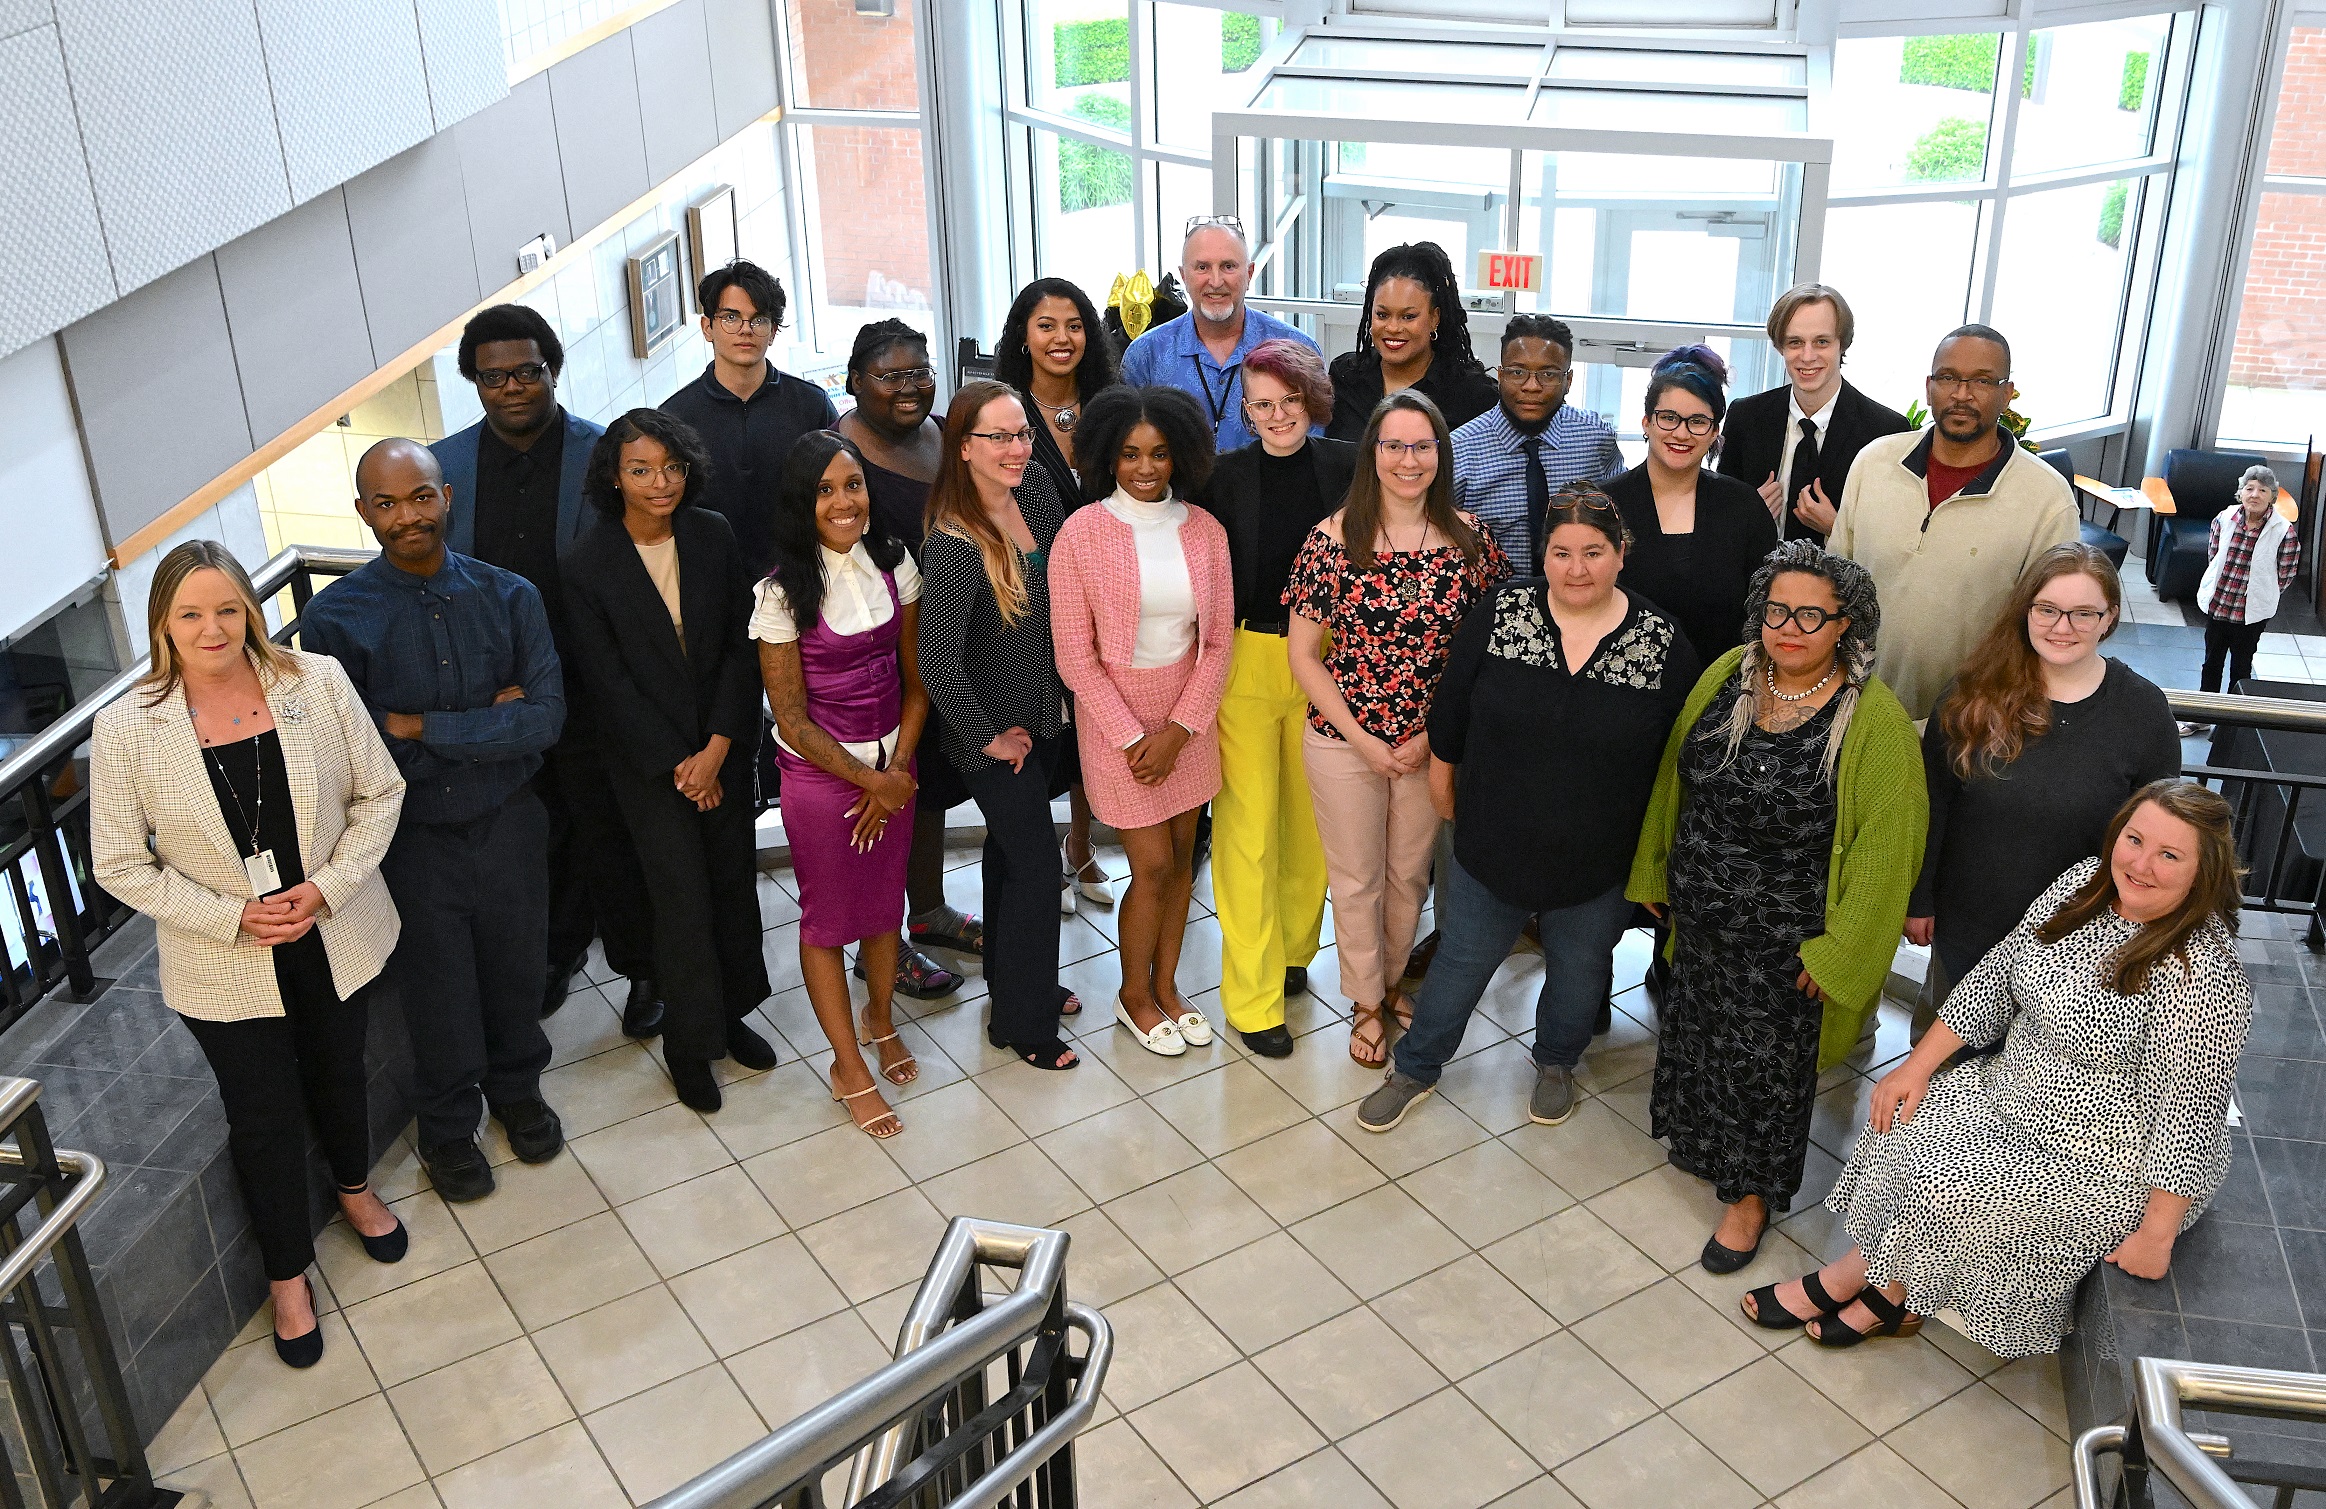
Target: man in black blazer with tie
x,y
1796,442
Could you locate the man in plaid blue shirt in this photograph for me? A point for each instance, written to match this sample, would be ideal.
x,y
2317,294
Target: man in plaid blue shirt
x,y
1510,459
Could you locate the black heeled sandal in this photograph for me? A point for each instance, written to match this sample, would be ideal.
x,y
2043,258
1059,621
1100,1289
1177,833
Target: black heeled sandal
x,y
1893,1319
1769,1312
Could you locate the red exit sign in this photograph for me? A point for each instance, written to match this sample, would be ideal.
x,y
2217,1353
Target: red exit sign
x,y
1515,271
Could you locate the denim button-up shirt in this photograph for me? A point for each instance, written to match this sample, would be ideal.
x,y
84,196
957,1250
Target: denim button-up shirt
x,y
443,647
1173,355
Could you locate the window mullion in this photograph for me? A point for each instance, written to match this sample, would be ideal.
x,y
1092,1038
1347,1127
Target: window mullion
x,y
2008,82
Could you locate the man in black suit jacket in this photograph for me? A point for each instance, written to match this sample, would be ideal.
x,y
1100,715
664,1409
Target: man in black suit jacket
x,y
1796,442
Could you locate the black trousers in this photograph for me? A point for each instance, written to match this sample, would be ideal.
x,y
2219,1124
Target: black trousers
x,y
278,1075
1021,896
474,897
596,887
702,870
2231,642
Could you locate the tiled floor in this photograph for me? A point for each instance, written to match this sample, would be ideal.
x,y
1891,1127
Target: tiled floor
x,y
1471,1310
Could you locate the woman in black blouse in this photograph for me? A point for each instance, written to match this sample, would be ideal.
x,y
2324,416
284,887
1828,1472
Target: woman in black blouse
x,y
1053,350
987,661
1415,335
1563,683
1698,536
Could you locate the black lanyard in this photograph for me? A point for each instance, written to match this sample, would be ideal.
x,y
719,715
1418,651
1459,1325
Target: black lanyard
x,y
1219,405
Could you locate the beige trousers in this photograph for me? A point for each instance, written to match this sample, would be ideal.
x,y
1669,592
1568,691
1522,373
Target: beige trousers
x,y
1377,836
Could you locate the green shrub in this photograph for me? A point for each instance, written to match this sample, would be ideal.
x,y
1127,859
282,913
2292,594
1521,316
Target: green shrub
x,y
1963,61
1091,52
1089,176
2112,213
1953,150
2133,94
1239,42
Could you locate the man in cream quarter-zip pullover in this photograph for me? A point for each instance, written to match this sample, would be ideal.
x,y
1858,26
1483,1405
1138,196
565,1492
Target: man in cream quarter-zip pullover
x,y
1946,519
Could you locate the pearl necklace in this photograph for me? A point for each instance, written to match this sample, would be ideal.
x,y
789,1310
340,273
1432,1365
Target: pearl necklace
x,y
1771,672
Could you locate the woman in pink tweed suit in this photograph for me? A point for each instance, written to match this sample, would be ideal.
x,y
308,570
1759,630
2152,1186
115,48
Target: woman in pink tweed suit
x,y
1142,608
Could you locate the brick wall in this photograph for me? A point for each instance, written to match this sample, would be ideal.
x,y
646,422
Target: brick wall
x,y
2281,330
871,217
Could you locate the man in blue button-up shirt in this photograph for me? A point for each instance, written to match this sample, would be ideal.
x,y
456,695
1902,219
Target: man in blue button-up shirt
x,y
1202,352
455,661
1532,427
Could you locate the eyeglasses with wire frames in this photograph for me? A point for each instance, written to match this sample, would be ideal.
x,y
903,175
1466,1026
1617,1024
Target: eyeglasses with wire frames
x,y
640,473
1978,382
1668,420
1005,437
1397,449
1269,408
731,320
903,377
525,374
1532,377
1811,619
2082,620
1224,222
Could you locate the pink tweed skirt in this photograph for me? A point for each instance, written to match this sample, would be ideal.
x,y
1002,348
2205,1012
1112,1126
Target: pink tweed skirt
x,y
1122,802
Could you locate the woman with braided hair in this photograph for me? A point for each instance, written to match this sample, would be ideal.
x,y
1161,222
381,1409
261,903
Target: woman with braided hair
x,y
1415,335
1784,836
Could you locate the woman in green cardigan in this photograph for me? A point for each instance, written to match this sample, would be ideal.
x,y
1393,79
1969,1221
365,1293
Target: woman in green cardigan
x,y
1784,835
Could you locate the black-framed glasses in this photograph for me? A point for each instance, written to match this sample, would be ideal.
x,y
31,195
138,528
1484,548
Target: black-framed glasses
x,y
908,377
731,320
2082,620
1776,615
527,373
1672,419
1981,384
1533,377
1005,437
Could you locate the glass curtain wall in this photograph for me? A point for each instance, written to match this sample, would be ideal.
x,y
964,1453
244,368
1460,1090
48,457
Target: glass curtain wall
x,y
2014,178
2276,387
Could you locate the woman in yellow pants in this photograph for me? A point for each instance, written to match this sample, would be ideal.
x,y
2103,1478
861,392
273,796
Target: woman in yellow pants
x,y
1267,867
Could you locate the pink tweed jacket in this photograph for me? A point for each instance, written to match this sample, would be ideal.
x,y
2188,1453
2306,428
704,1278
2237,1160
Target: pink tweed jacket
x,y
1094,618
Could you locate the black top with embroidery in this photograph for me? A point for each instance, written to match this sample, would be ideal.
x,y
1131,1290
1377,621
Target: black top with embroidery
x,y
1556,766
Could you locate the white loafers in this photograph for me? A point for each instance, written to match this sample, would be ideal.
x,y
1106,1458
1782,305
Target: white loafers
x,y
1195,1029
1164,1040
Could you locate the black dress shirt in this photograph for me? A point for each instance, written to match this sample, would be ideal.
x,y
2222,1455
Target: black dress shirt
x,y
748,439
1268,504
1699,578
516,507
1357,387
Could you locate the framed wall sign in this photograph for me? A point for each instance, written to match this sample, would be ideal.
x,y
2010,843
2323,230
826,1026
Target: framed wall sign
x,y
657,296
712,234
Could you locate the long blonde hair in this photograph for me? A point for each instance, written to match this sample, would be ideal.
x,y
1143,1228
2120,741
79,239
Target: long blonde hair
x,y
954,505
266,656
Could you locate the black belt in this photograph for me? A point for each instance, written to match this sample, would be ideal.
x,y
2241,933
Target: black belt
x,y
1281,627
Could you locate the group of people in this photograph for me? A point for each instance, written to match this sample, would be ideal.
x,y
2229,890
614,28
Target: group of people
x,y
1405,622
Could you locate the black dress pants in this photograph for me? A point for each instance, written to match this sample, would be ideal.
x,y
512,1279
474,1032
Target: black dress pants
x,y
474,897
596,888
702,873
1021,896
278,1075
2234,643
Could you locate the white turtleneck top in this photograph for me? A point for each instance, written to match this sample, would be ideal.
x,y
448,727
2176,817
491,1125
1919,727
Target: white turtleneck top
x,y
1167,624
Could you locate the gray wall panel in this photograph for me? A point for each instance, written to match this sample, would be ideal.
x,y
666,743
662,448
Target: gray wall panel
x,y
180,129
154,379
348,86
742,61
601,145
51,245
412,247
674,88
516,190
23,15
294,309
467,63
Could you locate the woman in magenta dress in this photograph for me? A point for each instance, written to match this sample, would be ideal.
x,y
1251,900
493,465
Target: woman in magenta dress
x,y
837,625
1142,612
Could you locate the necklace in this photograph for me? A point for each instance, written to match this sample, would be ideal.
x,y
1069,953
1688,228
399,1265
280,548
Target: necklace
x,y
1409,585
1771,672
1062,415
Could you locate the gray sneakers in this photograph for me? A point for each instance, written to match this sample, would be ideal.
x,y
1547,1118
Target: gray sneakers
x,y
1386,1106
1553,1100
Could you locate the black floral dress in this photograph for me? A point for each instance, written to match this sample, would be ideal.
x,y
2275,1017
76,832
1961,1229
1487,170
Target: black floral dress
x,y
1736,1066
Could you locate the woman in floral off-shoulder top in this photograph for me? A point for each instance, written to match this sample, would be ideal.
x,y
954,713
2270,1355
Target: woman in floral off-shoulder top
x,y
1391,577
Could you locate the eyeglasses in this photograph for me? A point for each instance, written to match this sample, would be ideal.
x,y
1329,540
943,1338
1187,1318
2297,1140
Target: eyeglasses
x,y
1269,408
1396,449
910,377
669,471
1224,222
1005,437
1776,615
731,320
1981,386
1533,377
527,373
2082,620
1673,419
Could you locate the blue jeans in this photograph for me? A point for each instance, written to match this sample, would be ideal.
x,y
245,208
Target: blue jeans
x,y
1476,930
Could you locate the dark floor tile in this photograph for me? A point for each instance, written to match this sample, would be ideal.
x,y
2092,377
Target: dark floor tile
x,y
66,1091
2295,1175
155,1272
134,1117
195,1141
2227,1270
125,948
47,1021
181,1349
2306,1260
125,1210
2285,1024
115,1031
2246,1345
2146,1333
2282,1097
2241,1196
174,1052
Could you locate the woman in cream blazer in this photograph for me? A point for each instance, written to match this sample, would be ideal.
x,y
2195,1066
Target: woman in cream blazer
x,y
241,797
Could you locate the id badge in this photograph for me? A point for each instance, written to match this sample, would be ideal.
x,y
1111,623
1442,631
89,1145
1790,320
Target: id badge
x,y
265,879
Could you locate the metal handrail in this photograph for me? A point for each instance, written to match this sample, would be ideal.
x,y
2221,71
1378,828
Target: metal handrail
x,y
871,1417
2157,1440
